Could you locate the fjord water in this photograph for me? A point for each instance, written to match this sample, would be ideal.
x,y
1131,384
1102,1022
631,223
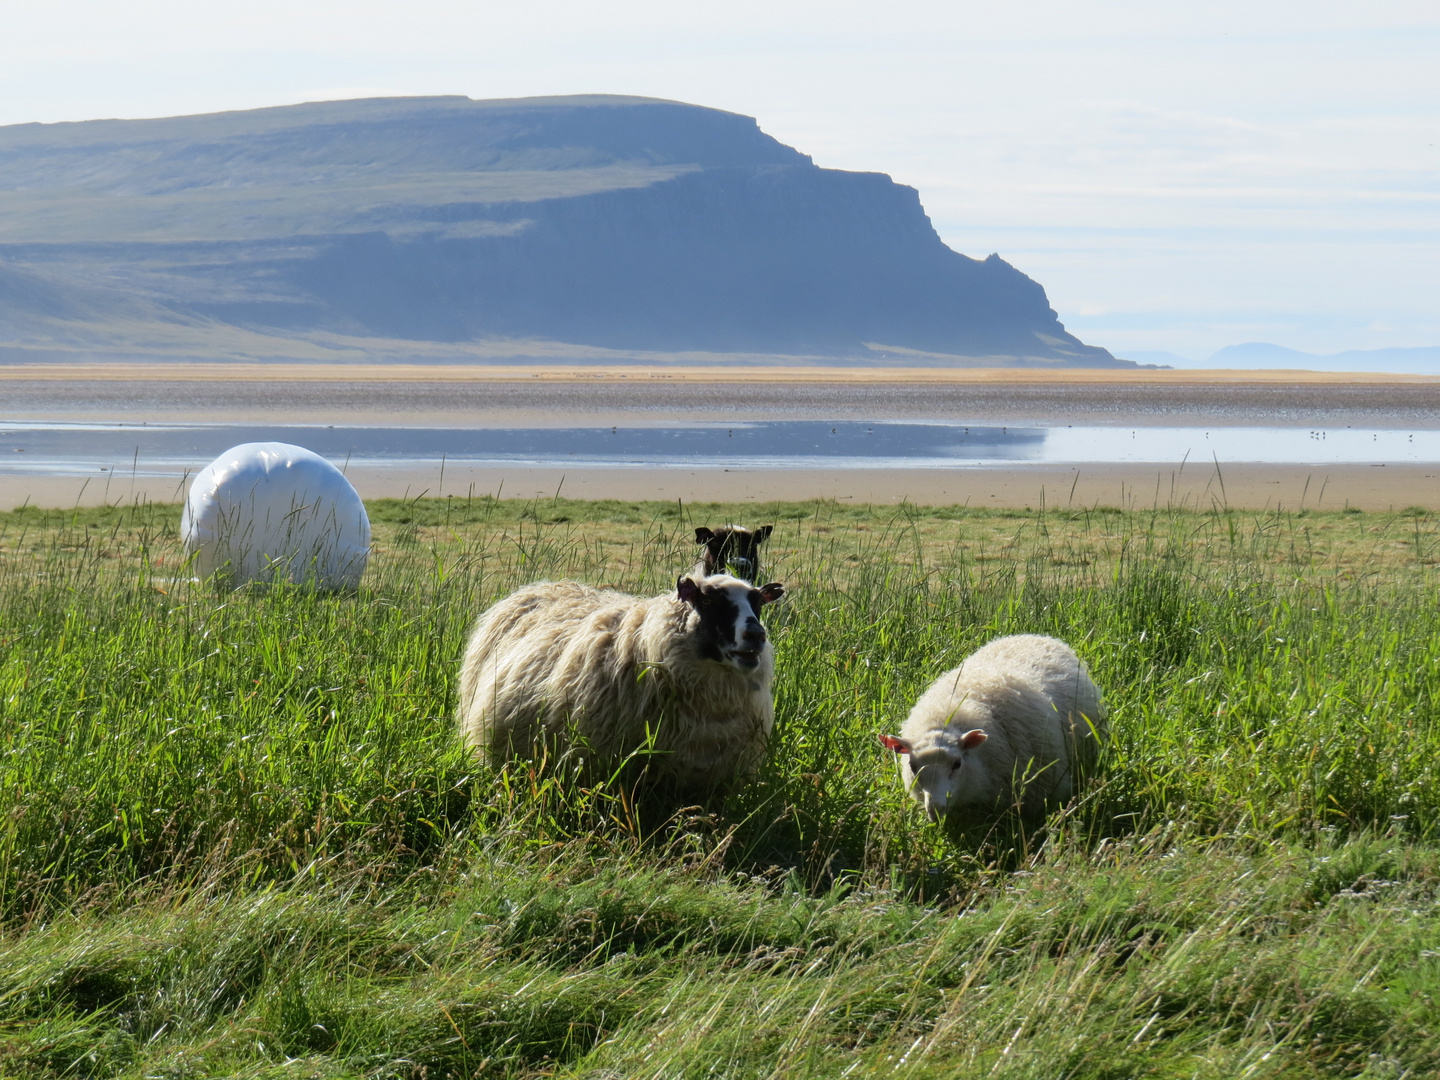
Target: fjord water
x,y
77,449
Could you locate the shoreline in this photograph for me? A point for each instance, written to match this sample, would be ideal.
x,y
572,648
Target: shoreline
x,y
1249,487
383,373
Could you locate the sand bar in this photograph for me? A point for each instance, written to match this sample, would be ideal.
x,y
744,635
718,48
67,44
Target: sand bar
x,y
438,396
243,372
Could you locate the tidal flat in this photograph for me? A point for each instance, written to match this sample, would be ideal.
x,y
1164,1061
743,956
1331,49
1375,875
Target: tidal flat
x,y
455,395
1251,440
239,836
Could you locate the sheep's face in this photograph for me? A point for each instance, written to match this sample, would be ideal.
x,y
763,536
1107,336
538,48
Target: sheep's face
x,y
733,549
935,774
728,630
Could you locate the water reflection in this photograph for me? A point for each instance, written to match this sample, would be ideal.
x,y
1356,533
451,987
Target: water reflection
x,y
84,449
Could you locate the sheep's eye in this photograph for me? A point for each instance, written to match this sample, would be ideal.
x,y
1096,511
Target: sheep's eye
x,y
955,766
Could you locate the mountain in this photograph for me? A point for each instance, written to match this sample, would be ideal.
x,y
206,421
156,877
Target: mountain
x,y
578,228
1259,354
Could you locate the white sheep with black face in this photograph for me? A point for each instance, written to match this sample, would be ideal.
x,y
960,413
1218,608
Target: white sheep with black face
x,y
686,674
1012,727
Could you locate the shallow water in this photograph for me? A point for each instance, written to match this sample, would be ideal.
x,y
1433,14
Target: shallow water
x,y
84,449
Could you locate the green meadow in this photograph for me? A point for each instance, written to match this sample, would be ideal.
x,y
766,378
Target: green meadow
x,y
238,837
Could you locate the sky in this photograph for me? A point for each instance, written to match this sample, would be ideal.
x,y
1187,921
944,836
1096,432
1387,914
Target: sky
x,y
1179,177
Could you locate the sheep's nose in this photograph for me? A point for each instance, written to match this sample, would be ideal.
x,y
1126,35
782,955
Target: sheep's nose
x,y
742,568
754,634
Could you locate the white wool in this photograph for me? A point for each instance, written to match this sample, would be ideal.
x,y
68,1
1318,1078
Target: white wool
x,y
270,511
562,661
1042,717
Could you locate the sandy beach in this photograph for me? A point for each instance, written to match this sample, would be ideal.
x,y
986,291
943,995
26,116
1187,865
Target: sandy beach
x,y
1376,488
288,372
435,395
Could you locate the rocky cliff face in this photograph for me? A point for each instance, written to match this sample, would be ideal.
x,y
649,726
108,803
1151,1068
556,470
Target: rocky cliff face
x,y
600,223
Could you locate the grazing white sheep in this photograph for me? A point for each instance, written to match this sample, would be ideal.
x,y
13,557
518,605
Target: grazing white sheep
x,y
271,511
564,664
1015,723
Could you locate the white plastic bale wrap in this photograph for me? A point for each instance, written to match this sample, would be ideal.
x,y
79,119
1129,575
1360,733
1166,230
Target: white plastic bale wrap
x,y
270,511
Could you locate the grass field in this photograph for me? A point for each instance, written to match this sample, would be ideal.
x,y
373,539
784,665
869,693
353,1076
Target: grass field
x,y
238,837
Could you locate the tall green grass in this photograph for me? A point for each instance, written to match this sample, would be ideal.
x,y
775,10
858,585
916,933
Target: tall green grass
x,y
239,836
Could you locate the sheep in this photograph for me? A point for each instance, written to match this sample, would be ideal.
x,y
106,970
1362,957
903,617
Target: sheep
x,y
732,549
685,675
271,511
1016,723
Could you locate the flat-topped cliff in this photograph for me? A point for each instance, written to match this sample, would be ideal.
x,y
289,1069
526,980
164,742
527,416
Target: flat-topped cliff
x,y
581,228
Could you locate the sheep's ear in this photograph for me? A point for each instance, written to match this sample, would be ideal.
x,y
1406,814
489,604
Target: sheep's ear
x,y
687,590
703,535
972,739
772,592
763,532
894,742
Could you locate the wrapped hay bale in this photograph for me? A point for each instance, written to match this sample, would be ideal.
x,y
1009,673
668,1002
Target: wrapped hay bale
x,y
271,511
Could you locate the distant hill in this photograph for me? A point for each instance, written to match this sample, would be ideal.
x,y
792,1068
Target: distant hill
x,y
1259,354
580,228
